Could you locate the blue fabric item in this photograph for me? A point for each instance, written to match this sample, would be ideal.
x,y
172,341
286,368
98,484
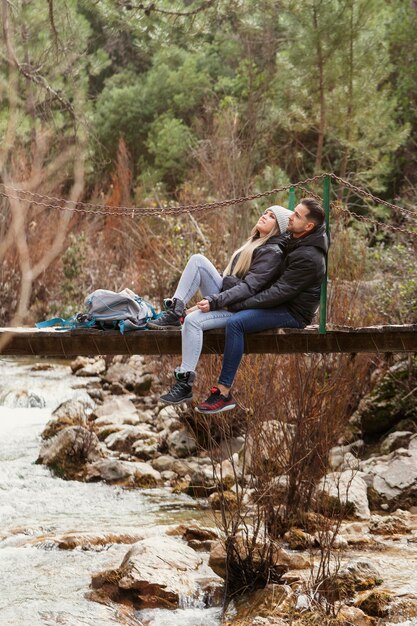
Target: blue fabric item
x,y
251,320
70,324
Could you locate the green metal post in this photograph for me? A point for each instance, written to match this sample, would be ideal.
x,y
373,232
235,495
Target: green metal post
x,y
323,293
291,202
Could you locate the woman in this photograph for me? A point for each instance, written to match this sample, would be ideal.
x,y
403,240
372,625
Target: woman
x,y
250,269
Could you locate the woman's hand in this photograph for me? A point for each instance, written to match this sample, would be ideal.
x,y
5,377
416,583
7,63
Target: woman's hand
x,y
203,306
191,310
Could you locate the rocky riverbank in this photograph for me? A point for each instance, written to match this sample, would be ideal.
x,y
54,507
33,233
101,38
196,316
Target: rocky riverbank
x,y
126,437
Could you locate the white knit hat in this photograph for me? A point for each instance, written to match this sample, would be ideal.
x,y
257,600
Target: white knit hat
x,y
282,216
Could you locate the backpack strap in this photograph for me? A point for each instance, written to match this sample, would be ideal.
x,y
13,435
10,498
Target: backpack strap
x,y
69,324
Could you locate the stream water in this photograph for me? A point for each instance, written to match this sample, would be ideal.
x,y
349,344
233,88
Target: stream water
x,y
42,585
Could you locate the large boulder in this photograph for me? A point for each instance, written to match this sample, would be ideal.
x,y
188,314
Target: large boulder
x,y
393,477
69,453
157,572
389,402
357,575
129,377
116,410
349,488
281,560
68,413
124,440
126,473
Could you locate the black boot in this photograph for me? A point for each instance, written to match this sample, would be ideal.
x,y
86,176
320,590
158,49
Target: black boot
x,y
170,319
182,391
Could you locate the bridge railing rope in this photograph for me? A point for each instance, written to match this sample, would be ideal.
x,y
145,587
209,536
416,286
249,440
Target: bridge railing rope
x,y
24,195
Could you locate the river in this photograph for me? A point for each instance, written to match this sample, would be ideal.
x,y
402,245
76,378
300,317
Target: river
x,y
42,585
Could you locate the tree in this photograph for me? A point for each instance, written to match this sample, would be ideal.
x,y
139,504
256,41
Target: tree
x,y
43,114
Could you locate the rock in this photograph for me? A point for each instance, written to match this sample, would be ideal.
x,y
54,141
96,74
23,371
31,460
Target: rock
x,y
355,616
181,444
68,453
281,560
337,455
156,572
143,385
230,446
356,576
116,410
127,473
108,429
181,468
23,399
389,402
347,487
303,603
217,559
226,500
163,463
146,449
124,440
394,476
168,477
68,413
262,602
94,367
395,440
228,472
375,602
122,374
79,362
200,539
387,525
297,539
202,483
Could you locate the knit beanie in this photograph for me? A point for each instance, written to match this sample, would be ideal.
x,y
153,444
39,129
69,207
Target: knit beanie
x,y
282,216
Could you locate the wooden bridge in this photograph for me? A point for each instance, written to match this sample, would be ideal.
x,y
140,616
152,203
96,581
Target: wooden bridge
x,y
91,342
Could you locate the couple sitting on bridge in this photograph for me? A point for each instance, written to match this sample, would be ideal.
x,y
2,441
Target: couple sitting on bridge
x,y
272,281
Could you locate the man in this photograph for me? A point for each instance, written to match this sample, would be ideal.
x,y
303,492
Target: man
x,y
290,302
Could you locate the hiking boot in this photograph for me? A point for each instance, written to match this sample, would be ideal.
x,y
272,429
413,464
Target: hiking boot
x,y
170,319
216,403
182,391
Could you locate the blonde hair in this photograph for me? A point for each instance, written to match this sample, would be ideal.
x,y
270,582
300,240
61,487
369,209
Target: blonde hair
x,y
246,252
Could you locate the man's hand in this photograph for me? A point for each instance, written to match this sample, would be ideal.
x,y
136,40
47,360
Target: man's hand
x,y
203,306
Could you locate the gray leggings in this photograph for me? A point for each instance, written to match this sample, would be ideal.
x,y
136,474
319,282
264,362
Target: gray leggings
x,y
199,273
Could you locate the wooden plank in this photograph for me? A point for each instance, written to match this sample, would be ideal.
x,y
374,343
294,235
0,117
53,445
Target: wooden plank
x,y
90,342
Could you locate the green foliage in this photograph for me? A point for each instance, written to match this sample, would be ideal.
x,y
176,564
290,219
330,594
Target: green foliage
x,y
169,142
73,268
396,267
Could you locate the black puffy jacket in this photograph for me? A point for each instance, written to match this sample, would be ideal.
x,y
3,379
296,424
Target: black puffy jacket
x,y
300,278
264,268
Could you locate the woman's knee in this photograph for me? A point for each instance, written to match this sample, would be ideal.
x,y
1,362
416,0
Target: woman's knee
x,y
198,259
192,320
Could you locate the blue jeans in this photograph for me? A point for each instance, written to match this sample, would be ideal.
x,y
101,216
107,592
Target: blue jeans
x,y
250,321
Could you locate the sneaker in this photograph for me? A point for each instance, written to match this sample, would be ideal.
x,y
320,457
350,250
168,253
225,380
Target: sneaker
x,y
182,391
216,403
170,319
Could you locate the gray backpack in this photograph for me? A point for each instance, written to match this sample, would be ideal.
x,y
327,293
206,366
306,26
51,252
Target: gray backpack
x,y
123,310
106,309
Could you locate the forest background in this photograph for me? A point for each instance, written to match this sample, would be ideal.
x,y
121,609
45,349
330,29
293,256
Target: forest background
x,y
156,104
